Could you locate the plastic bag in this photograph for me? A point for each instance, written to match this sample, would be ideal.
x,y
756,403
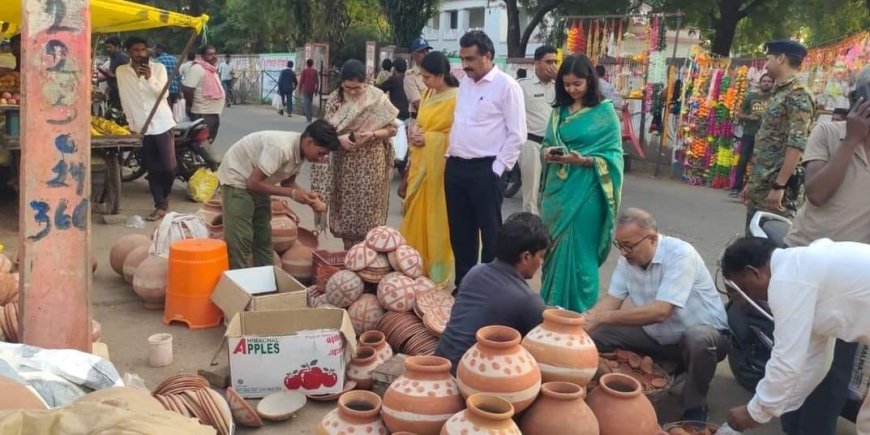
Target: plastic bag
x,y
400,141
277,104
179,111
174,227
202,185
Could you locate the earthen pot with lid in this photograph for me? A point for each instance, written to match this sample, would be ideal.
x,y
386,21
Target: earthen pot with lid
x,y
621,408
361,366
365,313
485,415
560,410
423,398
563,350
358,412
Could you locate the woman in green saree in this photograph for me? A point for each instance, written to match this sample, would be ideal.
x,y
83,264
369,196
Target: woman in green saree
x,y
580,186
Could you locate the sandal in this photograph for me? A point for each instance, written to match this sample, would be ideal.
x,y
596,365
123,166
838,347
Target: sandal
x,y
156,215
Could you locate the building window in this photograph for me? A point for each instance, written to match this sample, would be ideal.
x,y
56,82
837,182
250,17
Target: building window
x,y
476,18
435,22
454,20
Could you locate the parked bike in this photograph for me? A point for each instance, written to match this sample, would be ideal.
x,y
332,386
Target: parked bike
x,y
190,154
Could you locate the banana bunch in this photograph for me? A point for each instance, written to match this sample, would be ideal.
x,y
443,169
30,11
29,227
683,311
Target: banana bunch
x,y
102,126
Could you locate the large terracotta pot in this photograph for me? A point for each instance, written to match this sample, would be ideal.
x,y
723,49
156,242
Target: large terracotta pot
x,y
284,230
423,398
124,246
377,341
361,366
298,261
358,412
134,258
365,313
210,209
215,227
563,350
621,408
559,411
486,415
149,281
499,366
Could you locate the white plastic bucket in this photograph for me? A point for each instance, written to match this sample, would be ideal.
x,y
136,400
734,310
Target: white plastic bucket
x,y
160,350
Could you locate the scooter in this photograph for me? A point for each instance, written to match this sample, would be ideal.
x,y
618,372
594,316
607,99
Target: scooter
x,y
751,323
190,154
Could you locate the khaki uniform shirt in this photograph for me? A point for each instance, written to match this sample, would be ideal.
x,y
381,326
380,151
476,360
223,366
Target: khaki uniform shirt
x,y
539,97
414,87
843,218
785,124
276,153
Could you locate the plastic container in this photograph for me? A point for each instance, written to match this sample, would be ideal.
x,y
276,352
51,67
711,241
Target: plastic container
x,y
195,266
13,123
160,350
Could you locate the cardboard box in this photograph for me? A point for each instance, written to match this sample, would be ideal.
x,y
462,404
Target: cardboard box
x,y
258,289
303,349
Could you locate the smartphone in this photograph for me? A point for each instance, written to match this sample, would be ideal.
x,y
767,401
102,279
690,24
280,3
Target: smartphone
x,y
556,151
352,137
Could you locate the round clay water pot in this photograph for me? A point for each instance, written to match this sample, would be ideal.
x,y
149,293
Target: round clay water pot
x,y
361,366
407,260
563,350
298,261
5,264
423,398
215,227
343,288
8,287
498,365
621,408
210,209
124,246
149,281
485,415
377,341
365,313
134,258
358,412
284,231
396,292
560,410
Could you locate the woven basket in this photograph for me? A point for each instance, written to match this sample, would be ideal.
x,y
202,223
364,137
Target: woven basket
x,y
326,263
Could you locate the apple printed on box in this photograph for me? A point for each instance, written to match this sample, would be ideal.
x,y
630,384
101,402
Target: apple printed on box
x,y
309,377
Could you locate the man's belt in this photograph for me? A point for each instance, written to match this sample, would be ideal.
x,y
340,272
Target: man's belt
x,y
535,138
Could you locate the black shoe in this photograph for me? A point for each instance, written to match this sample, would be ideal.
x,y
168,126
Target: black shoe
x,y
281,112
695,414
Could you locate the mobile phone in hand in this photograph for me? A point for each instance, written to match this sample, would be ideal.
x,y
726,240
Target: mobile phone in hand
x,y
556,151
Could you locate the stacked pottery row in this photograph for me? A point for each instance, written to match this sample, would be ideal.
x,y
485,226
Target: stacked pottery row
x,y
130,258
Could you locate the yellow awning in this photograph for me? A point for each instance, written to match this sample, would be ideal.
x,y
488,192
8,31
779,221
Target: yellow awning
x,y
110,16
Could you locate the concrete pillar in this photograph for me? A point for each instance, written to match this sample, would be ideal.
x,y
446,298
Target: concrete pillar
x,y
55,216
444,25
464,21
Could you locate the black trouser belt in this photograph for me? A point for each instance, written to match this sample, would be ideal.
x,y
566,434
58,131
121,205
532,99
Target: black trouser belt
x,y
536,138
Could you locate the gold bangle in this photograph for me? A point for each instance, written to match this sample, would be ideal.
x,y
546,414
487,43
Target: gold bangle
x,y
293,195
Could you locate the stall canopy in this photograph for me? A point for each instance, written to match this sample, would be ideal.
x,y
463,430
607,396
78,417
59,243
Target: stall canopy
x,y
110,16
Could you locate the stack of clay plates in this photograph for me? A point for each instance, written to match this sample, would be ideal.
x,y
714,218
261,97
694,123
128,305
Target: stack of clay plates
x,y
406,334
9,322
189,395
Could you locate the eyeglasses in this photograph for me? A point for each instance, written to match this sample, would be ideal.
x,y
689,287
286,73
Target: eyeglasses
x,y
626,249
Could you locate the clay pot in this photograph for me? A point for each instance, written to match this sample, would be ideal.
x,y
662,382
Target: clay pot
x,y
423,398
563,350
124,246
284,230
298,261
499,366
377,341
621,408
396,292
407,260
384,239
149,281
360,369
5,264
365,313
343,288
559,411
215,227
8,287
486,415
358,412
210,209
359,257
132,261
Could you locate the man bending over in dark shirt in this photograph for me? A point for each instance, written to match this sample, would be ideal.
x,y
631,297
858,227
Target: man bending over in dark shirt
x,y
496,293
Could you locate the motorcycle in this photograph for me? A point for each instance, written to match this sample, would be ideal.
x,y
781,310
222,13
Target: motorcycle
x,y
752,323
190,155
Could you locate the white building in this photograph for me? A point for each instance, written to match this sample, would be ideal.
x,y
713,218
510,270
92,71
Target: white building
x,y
456,17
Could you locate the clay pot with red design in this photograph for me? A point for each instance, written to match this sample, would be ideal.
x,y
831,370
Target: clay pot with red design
x,y
377,341
149,281
423,398
365,313
122,247
560,410
621,408
485,414
498,365
397,292
361,366
563,350
343,289
358,412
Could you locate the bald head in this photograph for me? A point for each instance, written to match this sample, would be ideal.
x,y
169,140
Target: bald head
x,y
636,216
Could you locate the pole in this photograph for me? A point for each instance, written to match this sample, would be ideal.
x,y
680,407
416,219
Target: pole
x,y
55,172
665,115
165,89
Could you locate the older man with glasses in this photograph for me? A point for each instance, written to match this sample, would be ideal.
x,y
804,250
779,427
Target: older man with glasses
x,y
676,314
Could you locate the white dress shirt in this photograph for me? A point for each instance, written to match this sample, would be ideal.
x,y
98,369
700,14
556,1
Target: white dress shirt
x,y
489,121
817,294
677,275
138,96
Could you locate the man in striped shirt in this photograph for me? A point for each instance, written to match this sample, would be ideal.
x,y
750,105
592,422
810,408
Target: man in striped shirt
x,y
169,62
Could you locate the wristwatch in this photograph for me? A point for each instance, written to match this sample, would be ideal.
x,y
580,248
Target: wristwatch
x,y
775,186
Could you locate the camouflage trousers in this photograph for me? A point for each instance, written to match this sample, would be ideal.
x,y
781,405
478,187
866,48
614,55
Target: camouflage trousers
x,y
792,200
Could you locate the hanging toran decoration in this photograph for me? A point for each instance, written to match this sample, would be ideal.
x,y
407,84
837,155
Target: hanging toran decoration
x,y
619,32
593,40
589,39
575,38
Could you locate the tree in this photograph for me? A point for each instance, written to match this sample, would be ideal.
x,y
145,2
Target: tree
x,y
409,17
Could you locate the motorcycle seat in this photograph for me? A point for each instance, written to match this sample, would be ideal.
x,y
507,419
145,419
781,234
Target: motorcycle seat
x,y
188,124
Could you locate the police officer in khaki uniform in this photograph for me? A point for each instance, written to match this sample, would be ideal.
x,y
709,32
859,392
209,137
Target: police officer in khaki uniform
x,y
776,181
414,86
539,92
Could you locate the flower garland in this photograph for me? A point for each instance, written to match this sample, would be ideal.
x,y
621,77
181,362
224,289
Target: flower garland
x,y
576,43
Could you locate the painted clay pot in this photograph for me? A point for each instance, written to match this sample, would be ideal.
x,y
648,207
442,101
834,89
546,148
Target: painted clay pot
x,y
384,239
6,264
149,281
360,369
298,261
396,292
358,412
423,398
485,415
284,231
343,288
499,366
8,288
377,341
359,257
407,260
124,246
210,209
215,227
621,408
365,313
563,350
423,285
559,411
134,258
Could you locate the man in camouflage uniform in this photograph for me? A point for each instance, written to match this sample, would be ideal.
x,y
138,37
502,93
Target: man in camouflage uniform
x,y
776,181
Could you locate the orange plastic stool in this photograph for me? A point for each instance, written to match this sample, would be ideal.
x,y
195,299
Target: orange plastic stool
x,y
195,266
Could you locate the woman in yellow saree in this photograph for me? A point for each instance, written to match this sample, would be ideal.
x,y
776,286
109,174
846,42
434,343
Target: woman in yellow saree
x,y
425,209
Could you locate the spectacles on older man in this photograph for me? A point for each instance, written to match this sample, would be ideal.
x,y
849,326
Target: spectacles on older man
x,y
628,248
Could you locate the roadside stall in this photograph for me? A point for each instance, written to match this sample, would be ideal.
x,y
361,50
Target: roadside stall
x,y
108,139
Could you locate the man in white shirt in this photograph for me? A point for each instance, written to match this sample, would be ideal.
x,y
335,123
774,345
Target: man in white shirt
x,y
816,294
489,128
258,166
227,74
185,67
539,94
139,85
203,92
676,315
